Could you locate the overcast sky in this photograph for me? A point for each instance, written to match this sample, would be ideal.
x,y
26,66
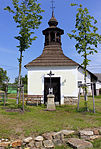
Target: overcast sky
x,y
65,14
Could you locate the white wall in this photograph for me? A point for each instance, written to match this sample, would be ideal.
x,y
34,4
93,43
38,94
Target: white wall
x,y
68,79
81,78
98,85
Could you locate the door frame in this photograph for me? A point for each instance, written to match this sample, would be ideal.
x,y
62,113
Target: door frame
x,y
59,87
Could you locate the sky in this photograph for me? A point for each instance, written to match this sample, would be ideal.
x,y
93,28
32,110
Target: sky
x,y
65,15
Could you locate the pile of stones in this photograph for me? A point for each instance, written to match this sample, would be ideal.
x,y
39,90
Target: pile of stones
x,y
76,139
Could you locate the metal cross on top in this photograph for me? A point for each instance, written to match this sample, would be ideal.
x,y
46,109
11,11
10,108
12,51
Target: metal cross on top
x,y
50,74
52,1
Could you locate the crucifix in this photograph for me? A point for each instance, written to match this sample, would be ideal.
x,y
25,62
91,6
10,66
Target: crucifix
x,y
50,89
52,1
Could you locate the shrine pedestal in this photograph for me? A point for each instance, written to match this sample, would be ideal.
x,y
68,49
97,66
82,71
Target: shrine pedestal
x,y
50,102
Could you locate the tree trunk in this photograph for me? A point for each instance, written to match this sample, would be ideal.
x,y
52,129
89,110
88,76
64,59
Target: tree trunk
x,y
85,81
19,78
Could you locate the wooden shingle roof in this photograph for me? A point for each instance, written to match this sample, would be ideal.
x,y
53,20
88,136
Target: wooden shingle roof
x,y
52,56
98,75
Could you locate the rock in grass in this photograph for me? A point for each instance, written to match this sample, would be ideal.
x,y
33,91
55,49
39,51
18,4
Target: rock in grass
x,y
39,138
86,133
95,137
27,140
48,144
58,135
67,132
38,144
79,144
4,144
16,143
48,136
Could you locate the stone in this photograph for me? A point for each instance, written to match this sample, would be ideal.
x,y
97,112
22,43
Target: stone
x,y
16,143
95,137
6,140
47,136
85,137
58,142
70,100
58,135
86,133
50,102
4,144
96,132
67,132
79,144
38,144
48,144
39,138
3,140
27,140
2,147
31,144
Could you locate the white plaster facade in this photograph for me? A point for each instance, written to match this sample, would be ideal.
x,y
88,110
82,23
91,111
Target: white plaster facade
x,y
68,80
69,77
81,79
98,85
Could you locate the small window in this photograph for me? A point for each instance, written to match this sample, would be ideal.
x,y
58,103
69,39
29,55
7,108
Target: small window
x,y
52,37
79,83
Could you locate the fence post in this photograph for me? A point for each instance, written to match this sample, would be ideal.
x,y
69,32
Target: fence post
x,y
17,99
23,99
93,97
78,98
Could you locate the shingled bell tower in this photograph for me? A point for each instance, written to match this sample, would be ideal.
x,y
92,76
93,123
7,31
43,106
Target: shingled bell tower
x,y
53,33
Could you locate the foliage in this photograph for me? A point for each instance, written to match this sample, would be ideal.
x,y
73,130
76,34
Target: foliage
x,y
26,14
87,38
3,78
23,81
85,34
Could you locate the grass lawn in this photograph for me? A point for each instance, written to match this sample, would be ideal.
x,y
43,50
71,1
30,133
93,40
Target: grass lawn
x,y
36,120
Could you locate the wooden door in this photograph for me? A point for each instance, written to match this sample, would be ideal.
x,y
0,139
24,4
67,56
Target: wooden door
x,y
55,84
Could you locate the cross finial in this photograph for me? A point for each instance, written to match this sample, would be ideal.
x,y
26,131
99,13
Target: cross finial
x,y
52,1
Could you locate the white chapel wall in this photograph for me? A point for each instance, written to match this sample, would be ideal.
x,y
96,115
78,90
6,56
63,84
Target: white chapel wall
x,y
68,80
81,78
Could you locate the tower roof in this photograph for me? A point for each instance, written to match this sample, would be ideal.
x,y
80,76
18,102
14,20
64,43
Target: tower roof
x,y
52,56
53,21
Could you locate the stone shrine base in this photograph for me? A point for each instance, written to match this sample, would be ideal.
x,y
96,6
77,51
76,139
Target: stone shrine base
x,y
50,103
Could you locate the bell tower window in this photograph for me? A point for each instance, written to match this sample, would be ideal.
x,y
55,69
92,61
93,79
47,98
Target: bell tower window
x,y
58,37
47,38
52,34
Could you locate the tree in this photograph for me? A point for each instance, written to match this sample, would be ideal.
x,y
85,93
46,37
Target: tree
x,y
24,82
26,14
86,37
3,78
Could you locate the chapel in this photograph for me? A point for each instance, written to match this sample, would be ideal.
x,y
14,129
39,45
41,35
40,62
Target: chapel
x,y
66,73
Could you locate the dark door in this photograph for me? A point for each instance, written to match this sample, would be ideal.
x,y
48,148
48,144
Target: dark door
x,y
55,84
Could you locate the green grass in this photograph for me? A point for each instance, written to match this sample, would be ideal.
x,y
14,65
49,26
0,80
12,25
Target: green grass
x,y
97,144
37,120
